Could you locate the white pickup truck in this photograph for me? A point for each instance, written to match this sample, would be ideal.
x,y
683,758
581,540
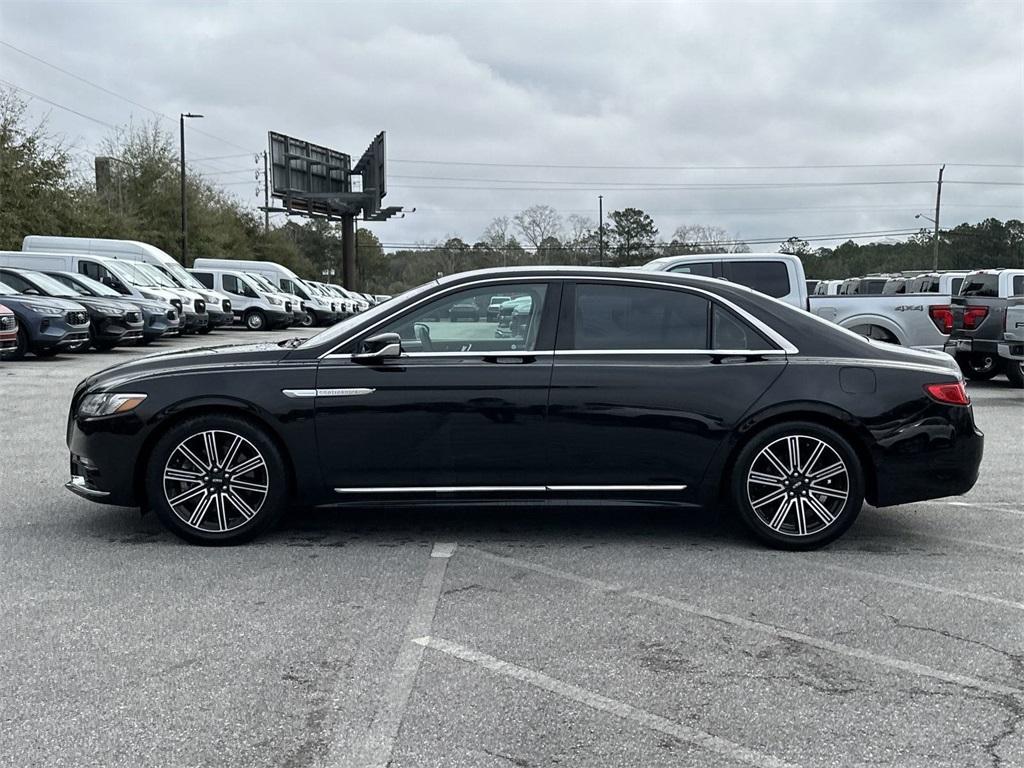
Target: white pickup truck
x,y
918,320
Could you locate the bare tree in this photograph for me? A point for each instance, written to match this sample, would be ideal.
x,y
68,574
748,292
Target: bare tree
x,y
703,238
537,223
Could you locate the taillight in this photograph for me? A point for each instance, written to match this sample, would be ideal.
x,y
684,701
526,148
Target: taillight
x,y
948,393
973,316
942,316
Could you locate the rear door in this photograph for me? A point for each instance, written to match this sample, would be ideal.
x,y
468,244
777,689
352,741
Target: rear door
x,y
647,382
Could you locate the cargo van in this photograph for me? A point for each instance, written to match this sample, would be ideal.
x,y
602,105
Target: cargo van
x,y
322,310
257,309
218,306
121,276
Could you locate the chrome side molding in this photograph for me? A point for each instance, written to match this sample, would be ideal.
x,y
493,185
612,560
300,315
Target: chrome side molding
x,y
335,392
510,488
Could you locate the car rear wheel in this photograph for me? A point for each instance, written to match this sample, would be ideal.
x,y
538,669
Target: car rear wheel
x,y
1015,373
255,320
798,485
217,480
980,367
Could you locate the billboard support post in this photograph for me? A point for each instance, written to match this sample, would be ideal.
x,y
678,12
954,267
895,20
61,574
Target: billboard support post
x,y
348,251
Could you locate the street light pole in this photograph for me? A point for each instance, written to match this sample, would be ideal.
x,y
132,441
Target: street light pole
x,y
938,197
184,206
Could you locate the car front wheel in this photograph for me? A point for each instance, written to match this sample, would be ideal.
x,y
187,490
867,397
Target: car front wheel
x,y
798,485
217,480
255,320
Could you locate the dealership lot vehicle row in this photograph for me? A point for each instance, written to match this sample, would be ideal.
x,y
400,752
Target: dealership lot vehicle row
x,y
588,634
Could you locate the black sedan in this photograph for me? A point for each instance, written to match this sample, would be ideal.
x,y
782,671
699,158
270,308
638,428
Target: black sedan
x,y
625,385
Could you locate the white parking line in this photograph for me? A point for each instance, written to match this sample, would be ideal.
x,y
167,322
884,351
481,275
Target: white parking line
x,y
923,587
588,698
770,629
993,506
373,748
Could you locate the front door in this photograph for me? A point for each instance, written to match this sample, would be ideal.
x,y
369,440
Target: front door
x,y
647,382
463,408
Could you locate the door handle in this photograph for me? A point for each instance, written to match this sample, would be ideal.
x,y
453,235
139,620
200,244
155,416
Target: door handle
x,y
509,359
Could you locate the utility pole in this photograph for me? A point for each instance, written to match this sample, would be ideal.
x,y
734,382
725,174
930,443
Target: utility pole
x,y
184,204
600,227
348,250
938,198
266,194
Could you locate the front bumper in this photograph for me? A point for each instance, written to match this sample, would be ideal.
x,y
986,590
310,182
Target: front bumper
x,y
194,321
219,319
103,460
116,330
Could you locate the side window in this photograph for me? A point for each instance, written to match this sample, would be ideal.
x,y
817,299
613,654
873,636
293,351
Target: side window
x,y
703,268
769,277
288,286
90,269
230,283
1018,285
459,322
204,277
730,332
954,285
630,317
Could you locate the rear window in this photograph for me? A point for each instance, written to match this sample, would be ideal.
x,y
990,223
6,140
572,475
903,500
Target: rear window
x,y
703,268
871,286
1018,285
980,285
769,277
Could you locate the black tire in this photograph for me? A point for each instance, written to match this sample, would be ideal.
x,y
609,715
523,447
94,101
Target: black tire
x,y
307,321
214,528
104,346
1015,372
46,352
795,498
20,346
145,341
980,367
255,320
205,330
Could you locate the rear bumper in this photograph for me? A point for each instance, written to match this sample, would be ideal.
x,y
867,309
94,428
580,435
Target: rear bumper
x,y
968,346
931,459
1012,350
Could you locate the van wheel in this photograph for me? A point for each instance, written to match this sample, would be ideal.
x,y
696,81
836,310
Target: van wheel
x,y
980,367
217,480
1015,373
307,320
797,485
255,320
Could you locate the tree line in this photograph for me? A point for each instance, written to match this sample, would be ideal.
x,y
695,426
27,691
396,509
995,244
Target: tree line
x,y
43,191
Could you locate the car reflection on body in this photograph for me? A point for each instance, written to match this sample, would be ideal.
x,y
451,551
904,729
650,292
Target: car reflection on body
x,y
633,386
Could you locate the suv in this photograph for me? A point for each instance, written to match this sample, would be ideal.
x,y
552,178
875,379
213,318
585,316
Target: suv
x,y
979,320
494,307
45,325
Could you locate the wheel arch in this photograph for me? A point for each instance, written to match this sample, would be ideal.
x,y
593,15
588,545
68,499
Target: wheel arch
x,y
181,412
817,413
885,323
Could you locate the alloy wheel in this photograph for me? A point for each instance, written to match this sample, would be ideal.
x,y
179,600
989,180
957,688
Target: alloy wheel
x,y
215,481
798,485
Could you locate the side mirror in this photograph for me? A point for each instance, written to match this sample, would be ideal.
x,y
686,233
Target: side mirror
x,y
383,346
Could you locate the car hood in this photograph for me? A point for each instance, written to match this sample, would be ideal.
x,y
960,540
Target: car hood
x,y
48,301
219,357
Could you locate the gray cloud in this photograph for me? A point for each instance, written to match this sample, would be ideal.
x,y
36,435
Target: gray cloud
x,y
571,83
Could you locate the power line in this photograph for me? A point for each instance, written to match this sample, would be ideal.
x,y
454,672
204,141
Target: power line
x,y
700,167
680,212
58,106
115,94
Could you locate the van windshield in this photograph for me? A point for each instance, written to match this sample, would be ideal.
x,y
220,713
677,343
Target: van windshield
x,y
158,277
180,275
261,281
127,273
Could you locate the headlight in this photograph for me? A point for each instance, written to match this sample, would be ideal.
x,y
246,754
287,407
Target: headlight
x,y
42,309
273,299
108,403
112,310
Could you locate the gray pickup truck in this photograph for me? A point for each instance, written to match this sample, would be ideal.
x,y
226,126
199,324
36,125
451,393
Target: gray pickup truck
x,y
979,322
1011,348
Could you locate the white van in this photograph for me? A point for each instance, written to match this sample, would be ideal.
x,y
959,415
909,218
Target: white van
x,y
218,306
321,309
299,315
121,276
257,309
777,274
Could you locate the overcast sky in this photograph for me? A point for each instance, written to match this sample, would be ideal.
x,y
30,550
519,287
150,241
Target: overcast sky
x,y
584,84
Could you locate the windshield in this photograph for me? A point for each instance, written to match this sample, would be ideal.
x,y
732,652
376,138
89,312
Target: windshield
x,y
158,277
52,287
262,282
88,285
180,275
338,331
7,290
128,273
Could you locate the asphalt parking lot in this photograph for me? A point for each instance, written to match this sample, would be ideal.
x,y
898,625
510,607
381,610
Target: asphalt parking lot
x,y
512,636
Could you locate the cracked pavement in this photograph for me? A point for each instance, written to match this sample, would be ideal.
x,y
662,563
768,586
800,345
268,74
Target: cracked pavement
x,y
575,635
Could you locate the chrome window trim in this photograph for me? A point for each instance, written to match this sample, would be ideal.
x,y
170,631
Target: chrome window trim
x,y
577,352
785,346
507,488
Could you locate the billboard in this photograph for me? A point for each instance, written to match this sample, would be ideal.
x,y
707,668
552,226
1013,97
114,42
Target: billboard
x,y
372,166
308,176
